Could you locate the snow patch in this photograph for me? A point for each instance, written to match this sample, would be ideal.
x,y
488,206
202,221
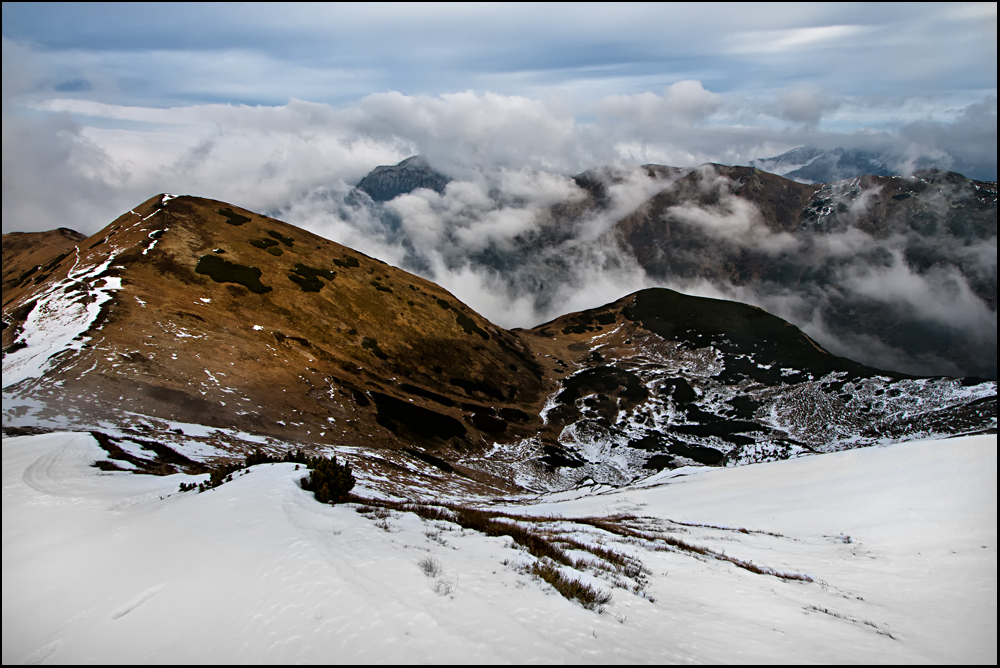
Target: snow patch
x,y
57,324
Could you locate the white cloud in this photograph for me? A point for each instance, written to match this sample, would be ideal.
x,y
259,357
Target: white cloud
x,y
806,103
794,39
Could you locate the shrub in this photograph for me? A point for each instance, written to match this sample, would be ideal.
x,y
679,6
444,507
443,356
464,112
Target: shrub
x,y
308,277
469,326
371,344
288,241
329,481
223,271
233,218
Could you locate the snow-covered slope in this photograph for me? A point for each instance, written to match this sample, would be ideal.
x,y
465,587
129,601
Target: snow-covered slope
x,y
900,543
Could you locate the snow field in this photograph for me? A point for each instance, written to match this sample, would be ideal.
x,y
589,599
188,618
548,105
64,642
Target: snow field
x,y
106,567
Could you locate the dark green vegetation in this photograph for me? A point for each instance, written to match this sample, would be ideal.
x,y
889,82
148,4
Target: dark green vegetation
x,y
489,424
371,344
329,481
308,278
224,271
25,276
347,262
556,456
660,443
738,329
698,453
514,415
270,245
470,327
402,417
436,462
233,218
427,394
288,241
589,321
602,380
473,387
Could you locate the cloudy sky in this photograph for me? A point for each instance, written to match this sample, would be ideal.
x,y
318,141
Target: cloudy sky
x,y
107,104
281,109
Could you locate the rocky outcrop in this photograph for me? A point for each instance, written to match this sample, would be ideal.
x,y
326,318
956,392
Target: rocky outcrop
x,y
387,182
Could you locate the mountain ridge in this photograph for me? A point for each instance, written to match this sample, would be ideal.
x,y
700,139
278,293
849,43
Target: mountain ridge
x,y
193,311
815,252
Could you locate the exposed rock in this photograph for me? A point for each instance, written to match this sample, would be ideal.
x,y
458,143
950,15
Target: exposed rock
x,y
387,182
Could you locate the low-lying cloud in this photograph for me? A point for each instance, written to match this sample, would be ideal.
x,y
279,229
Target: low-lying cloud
x,y
523,247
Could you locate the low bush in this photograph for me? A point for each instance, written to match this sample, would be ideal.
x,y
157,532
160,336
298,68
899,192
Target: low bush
x,y
308,278
371,344
570,588
223,271
288,241
233,218
346,263
329,481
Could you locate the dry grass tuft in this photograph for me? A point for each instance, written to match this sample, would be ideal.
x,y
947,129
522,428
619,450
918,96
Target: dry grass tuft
x,y
570,588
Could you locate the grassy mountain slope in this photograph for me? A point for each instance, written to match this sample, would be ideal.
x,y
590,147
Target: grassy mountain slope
x,y
190,311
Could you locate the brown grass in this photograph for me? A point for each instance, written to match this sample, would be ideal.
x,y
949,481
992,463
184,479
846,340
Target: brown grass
x,y
570,588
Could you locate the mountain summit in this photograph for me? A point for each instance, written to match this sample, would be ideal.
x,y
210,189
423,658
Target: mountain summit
x,y
389,181
808,164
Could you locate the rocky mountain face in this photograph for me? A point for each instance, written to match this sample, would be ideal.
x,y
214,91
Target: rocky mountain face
x,y
808,164
898,272
189,320
659,379
840,249
389,181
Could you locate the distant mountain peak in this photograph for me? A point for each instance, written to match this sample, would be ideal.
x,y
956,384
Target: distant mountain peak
x,y
387,182
815,165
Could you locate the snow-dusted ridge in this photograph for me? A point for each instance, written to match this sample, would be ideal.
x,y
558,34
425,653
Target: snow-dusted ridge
x,y
59,320
63,312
